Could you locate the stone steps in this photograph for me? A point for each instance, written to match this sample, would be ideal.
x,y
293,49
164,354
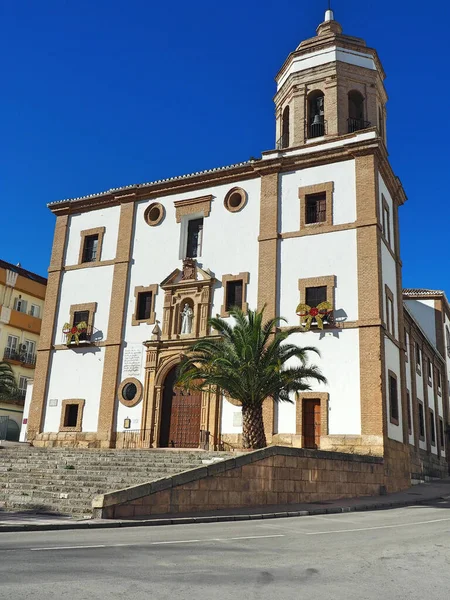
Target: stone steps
x,y
38,478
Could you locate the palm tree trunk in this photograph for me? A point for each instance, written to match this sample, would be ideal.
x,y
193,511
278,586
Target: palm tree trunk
x,y
253,435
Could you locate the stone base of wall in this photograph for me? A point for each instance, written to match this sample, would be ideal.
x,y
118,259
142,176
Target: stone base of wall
x,y
72,440
397,466
425,466
371,445
273,475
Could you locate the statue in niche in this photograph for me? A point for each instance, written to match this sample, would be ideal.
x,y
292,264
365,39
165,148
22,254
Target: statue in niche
x,y
187,317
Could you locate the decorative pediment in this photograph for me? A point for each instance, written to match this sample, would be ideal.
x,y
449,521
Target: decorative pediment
x,y
190,273
187,301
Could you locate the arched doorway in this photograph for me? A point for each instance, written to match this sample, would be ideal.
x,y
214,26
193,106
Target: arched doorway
x,y
180,415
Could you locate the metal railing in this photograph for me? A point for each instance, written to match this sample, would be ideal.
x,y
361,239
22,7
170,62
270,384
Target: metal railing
x,y
133,439
74,337
357,125
317,128
26,358
314,215
283,142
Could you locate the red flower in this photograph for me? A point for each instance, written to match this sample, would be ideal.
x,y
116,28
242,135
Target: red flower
x,y
74,330
314,312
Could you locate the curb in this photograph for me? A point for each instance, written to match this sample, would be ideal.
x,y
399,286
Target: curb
x,y
112,524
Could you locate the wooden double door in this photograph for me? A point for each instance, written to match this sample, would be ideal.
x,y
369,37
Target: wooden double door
x,y
180,416
311,423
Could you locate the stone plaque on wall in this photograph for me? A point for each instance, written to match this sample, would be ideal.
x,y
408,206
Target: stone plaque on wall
x,y
237,419
132,360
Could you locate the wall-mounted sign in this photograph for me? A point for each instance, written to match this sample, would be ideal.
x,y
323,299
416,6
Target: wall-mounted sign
x,y
132,360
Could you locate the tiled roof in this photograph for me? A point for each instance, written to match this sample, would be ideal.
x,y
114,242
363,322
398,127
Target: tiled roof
x,y
422,292
141,185
23,272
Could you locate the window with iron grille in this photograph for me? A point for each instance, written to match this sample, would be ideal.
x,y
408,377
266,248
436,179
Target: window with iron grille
x,y
71,415
432,428
144,306
421,422
316,295
316,208
194,238
408,406
234,294
81,316
90,248
393,399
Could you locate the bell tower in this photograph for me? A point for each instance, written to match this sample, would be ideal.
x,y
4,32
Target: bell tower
x,y
330,86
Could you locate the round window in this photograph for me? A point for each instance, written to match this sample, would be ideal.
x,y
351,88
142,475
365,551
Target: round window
x,y
154,214
130,391
235,199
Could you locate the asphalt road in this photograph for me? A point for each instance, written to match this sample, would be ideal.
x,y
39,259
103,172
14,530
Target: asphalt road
x,y
390,554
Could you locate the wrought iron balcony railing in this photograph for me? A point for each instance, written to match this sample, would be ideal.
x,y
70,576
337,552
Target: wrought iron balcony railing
x,y
26,358
317,127
357,125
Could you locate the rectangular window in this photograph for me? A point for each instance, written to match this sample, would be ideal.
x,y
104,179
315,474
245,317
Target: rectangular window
x,y
448,340
386,224
22,386
90,248
144,306
71,415
81,316
35,311
406,347
234,294
316,208
432,428
316,295
438,380
441,432
12,343
408,406
20,305
417,355
194,238
390,317
421,422
429,371
393,399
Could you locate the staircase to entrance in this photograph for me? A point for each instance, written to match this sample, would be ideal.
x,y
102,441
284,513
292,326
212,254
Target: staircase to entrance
x,y
64,481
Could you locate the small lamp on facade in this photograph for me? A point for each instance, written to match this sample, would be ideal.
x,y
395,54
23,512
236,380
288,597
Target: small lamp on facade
x,y
127,423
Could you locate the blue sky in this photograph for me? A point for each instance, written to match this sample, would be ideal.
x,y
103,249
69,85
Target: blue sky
x,y
109,93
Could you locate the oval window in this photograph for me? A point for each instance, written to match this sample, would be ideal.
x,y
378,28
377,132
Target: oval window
x,y
130,391
235,199
154,214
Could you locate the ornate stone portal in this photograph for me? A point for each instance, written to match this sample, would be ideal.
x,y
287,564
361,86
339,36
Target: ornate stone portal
x,y
187,308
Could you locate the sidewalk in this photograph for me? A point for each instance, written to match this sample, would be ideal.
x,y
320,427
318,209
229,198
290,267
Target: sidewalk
x,y
420,494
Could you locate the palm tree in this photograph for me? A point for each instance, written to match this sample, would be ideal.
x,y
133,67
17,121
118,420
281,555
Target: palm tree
x,y
8,386
249,362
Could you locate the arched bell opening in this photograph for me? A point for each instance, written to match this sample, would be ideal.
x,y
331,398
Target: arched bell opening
x,y
316,114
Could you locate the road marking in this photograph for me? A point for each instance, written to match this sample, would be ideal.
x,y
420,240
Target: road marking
x,y
249,537
379,527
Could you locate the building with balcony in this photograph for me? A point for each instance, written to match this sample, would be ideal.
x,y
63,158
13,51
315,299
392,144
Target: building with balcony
x,y
310,230
22,295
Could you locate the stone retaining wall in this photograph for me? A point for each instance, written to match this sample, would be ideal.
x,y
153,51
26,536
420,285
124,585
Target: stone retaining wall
x,y
273,475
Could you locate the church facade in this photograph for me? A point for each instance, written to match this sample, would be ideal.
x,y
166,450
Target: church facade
x,y
310,231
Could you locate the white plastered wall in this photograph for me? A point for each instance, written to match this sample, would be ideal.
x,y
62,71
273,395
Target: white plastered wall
x,y
424,313
389,278
342,174
317,256
75,374
229,246
409,387
105,217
